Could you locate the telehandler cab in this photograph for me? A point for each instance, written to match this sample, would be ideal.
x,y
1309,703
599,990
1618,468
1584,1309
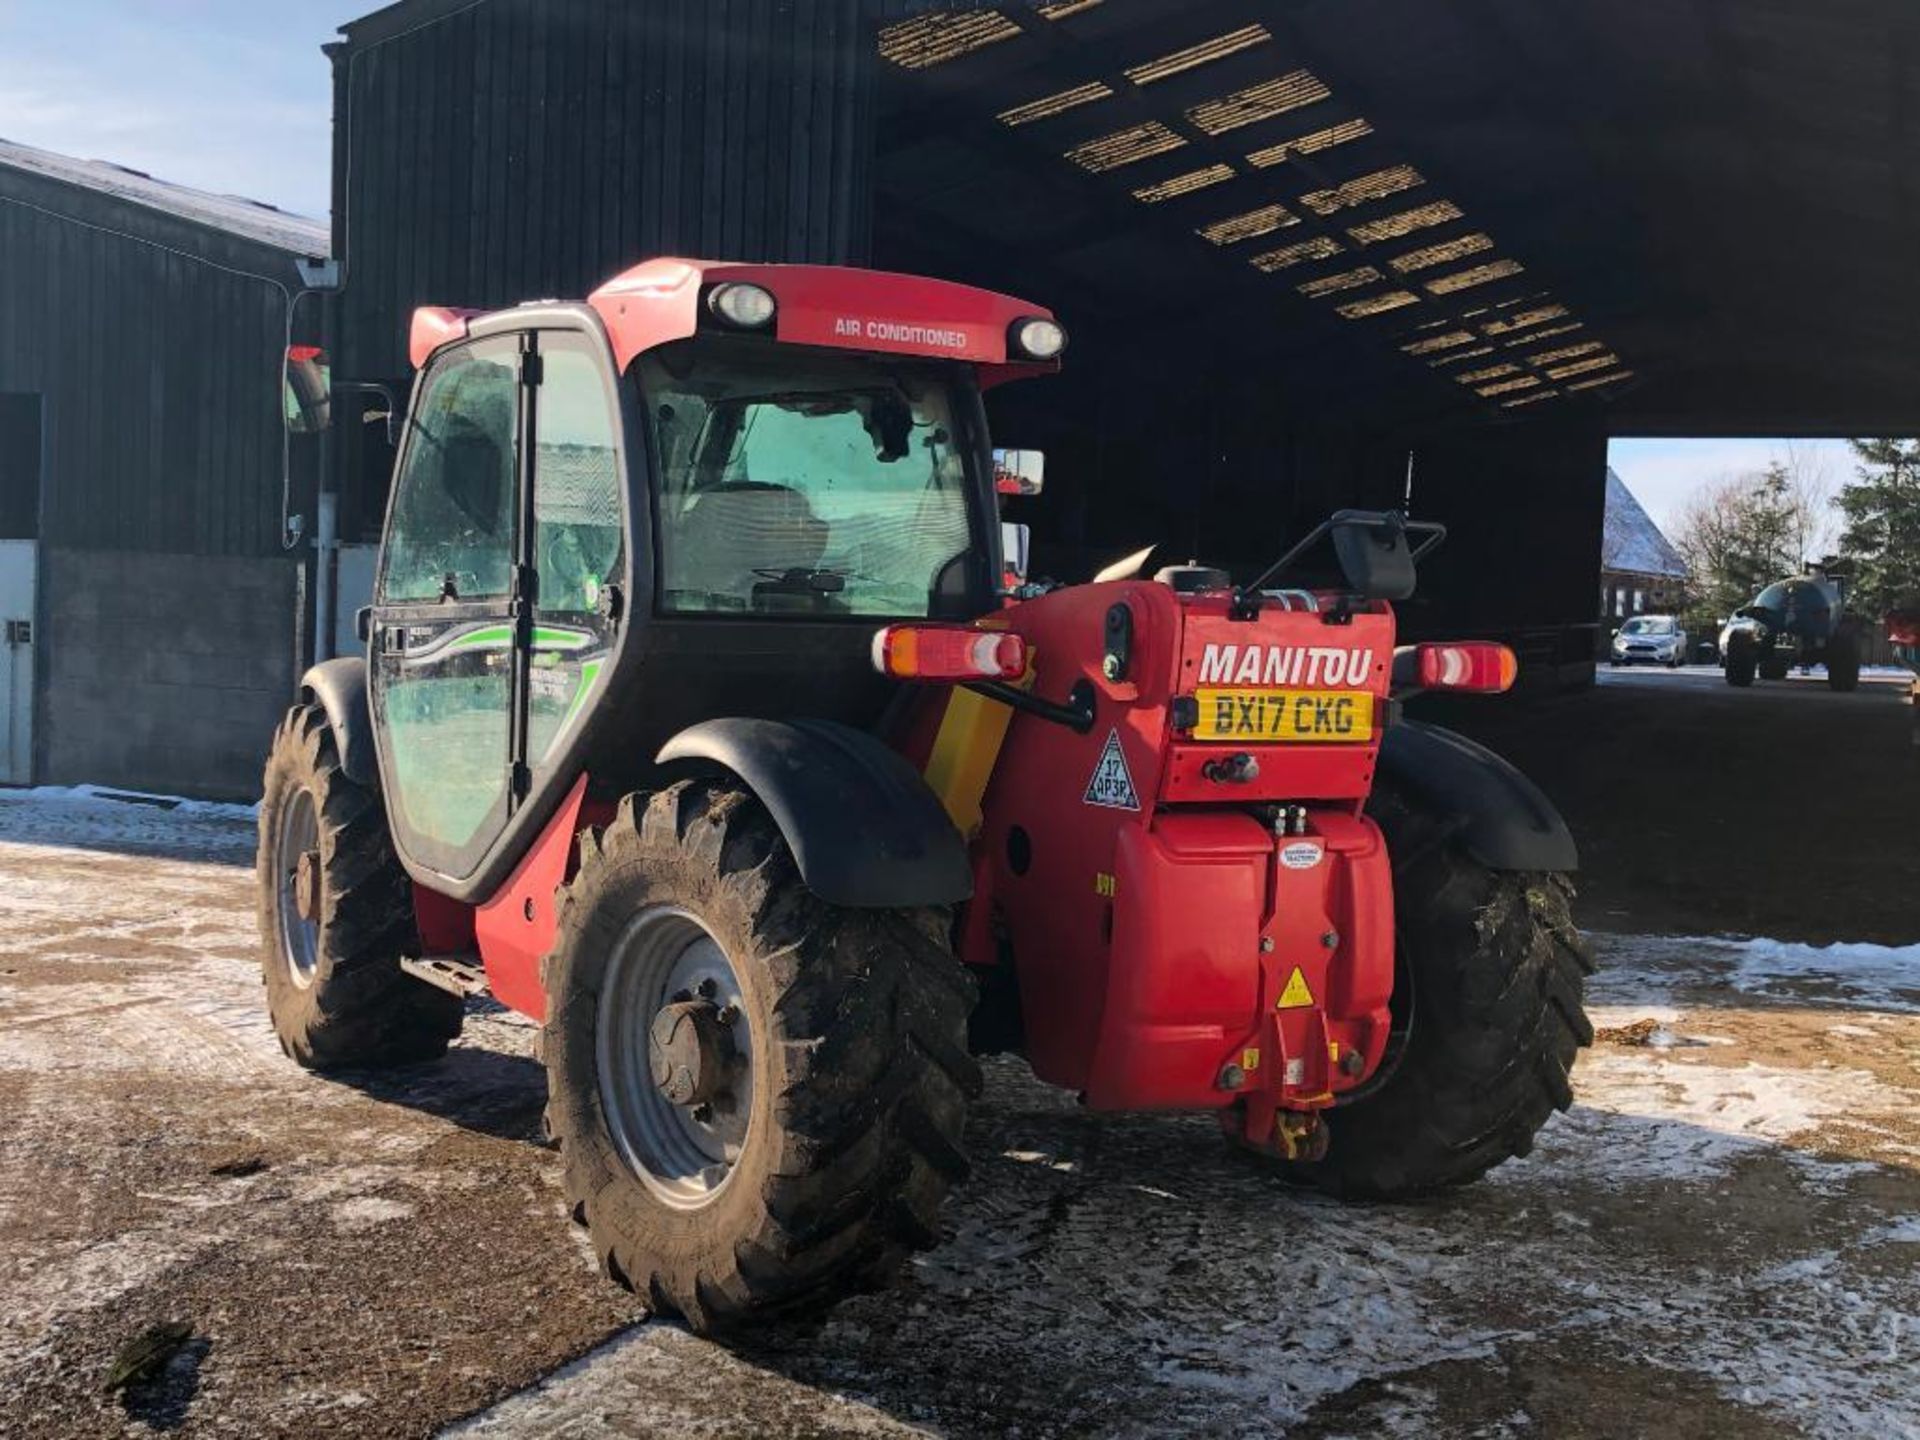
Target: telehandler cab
x,y
696,723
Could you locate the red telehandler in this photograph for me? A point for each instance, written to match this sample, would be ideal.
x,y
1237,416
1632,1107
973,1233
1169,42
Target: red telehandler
x,y
696,723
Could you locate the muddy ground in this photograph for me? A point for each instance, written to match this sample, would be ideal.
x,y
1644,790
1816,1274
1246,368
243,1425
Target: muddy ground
x,y
1723,1237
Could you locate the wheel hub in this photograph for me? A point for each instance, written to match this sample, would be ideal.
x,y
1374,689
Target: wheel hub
x,y
675,1054
306,885
690,1052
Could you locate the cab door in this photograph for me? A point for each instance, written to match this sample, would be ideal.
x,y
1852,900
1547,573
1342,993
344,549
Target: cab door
x,y
442,652
578,552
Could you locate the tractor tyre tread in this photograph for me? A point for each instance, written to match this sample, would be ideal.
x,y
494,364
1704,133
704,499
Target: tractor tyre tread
x,y
1498,972
1742,661
1843,662
864,1083
361,1009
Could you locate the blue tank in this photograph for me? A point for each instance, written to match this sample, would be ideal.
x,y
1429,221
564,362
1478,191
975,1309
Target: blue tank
x,y
1804,608
1803,621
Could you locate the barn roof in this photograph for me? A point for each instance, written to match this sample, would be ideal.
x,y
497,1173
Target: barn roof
x,y
230,214
1685,216
1632,542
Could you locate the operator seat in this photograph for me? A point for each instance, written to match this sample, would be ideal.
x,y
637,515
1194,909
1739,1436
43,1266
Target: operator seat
x,y
729,532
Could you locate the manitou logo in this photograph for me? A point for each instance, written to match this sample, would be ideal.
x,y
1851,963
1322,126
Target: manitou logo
x,y
1285,666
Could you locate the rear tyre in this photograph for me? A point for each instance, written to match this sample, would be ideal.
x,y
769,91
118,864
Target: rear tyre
x,y
336,915
1743,660
1489,1017
759,1097
1843,662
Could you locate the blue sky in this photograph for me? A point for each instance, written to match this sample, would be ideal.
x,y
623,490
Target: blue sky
x,y
231,96
1664,473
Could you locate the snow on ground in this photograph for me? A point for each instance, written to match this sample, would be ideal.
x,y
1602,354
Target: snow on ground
x,y
1882,977
1722,1231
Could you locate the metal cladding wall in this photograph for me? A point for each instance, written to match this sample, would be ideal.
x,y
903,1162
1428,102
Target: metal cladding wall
x,y
145,349
513,149
154,345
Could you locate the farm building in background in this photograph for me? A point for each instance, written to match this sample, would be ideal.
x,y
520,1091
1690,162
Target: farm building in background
x,y
150,601
1640,571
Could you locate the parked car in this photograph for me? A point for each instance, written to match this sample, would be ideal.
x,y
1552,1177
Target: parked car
x,y
1650,640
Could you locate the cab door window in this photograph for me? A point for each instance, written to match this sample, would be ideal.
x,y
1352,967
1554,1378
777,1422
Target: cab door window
x,y
579,535
443,649
451,533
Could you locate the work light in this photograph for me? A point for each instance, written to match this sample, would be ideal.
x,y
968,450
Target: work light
x,y
749,307
1039,339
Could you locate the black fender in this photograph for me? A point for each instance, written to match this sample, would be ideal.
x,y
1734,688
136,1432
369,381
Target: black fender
x,y
864,828
339,687
1501,816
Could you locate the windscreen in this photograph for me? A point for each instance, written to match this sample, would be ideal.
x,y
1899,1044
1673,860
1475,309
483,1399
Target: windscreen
x,y
802,482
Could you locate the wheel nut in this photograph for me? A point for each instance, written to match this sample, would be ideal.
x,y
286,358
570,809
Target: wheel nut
x,y
703,1114
708,989
729,1016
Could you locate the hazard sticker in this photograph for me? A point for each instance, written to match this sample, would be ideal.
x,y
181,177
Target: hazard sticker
x,y
1112,784
1297,995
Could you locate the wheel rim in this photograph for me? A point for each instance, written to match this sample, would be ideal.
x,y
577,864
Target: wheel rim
x,y
667,962
299,934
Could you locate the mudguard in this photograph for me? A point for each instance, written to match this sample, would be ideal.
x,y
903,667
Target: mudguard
x,y
1501,816
340,688
864,828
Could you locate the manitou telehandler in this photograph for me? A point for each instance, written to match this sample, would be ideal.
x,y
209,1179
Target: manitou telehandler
x,y
697,723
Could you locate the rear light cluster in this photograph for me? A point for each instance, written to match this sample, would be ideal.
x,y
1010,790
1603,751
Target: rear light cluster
x,y
939,652
1475,665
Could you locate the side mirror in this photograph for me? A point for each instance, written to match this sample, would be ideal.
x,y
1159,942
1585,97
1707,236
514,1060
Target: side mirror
x,y
1016,548
1019,472
307,395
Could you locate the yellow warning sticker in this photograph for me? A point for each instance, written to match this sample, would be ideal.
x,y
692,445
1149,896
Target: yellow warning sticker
x,y
1104,884
1250,1059
1297,995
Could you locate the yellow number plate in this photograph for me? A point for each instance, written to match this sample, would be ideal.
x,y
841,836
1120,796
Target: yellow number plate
x,y
1330,716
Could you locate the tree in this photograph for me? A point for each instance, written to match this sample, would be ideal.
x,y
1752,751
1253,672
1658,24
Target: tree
x,y
1881,538
1741,533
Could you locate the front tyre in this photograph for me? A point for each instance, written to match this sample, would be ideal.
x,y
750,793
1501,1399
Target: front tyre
x,y
1743,660
1488,1018
336,915
759,1097
1843,662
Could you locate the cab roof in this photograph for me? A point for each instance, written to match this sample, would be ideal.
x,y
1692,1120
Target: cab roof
x,y
659,301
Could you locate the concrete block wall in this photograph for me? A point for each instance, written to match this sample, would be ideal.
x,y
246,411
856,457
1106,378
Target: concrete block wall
x,y
163,672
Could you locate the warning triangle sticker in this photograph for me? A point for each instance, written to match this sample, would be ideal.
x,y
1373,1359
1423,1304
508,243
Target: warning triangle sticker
x,y
1297,995
1112,785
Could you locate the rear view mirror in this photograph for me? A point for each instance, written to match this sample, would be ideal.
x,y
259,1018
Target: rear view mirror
x,y
307,394
1016,547
1019,472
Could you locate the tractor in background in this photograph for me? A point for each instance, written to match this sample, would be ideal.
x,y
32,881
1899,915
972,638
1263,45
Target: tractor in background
x,y
1801,621
699,723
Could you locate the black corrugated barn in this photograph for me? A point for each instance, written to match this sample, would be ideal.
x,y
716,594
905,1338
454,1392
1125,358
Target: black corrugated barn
x,y
151,608
1311,253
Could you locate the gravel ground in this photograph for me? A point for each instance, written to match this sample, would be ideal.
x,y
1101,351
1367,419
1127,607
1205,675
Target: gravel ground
x,y
1720,1239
